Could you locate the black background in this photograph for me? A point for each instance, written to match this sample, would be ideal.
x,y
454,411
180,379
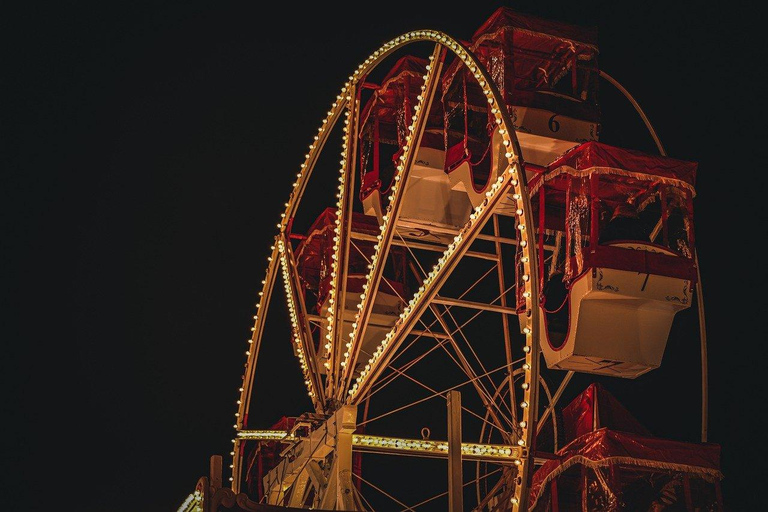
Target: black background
x,y
147,152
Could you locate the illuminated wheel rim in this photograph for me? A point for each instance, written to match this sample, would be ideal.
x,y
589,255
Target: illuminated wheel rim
x,y
342,385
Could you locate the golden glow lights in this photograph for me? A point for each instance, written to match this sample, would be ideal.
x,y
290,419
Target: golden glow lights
x,y
336,273
425,447
508,177
265,435
429,447
376,259
293,313
285,217
193,503
509,180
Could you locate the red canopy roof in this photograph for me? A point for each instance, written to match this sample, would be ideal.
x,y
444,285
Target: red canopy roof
x,y
416,66
504,18
595,408
602,432
541,51
313,254
625,174
401,84
598,156
388,99
605,447
536,63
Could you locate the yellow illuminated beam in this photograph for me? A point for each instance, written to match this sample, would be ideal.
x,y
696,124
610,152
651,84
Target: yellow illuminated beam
x,y
430,448
193,503
266,435
402,446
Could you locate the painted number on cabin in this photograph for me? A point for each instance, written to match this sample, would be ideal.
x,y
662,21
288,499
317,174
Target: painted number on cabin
x,y
554,125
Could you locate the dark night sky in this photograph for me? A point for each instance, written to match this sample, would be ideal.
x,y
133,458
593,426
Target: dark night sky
x,y
148,148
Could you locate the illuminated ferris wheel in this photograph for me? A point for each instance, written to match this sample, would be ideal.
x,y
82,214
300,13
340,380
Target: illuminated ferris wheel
x,y
477,227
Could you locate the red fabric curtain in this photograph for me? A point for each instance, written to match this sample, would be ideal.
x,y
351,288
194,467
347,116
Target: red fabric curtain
x,y
606,448
594,408
596,154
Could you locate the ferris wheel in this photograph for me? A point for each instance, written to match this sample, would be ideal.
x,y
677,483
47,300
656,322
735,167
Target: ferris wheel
x,y
457,280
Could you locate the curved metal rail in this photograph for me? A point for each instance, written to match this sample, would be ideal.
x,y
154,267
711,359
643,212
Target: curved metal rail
x,y
699,286
509,178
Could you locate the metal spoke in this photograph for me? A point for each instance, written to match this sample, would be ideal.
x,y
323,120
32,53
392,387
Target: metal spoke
x,y
293,288
396,356
463,485
367,503
465,409
427,328
477,358
439,393
385,382
396,372
341,241
553,401
385,493
393,210
504,318
482,391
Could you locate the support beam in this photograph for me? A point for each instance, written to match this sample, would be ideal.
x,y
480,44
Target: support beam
x,y
554,400
496,453
345,424
490,406
214,471
704,363
392,213
455,479
474,305
341,242
333,438
454,231
415,332
244,401
505,319
430,334
423,246
294,289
